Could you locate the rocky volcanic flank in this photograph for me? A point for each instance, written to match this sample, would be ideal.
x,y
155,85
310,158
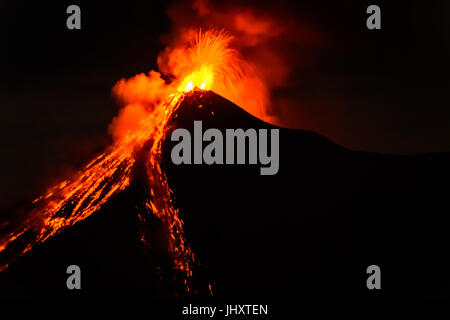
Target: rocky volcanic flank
x,y
311,230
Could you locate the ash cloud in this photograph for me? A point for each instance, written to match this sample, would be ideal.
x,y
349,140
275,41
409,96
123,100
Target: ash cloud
x,y
267,42
268,38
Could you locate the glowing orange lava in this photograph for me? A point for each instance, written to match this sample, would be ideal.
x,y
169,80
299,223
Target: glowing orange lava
x,y
206,62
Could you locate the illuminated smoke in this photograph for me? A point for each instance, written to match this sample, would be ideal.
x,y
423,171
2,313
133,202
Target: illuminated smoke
x,y
239,59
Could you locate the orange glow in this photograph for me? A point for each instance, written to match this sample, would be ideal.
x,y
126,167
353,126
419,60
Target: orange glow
x,y
188,87
205,61
202,79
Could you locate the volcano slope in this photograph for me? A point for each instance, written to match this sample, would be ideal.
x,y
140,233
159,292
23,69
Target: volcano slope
x,y
310,231
314,227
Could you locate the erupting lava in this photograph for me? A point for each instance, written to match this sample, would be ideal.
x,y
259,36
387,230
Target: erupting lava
x,y
205,61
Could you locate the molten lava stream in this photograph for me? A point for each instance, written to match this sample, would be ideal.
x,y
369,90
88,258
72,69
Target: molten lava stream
x,y
75,199
207,62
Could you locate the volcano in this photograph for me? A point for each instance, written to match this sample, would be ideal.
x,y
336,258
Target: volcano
x,y
310,231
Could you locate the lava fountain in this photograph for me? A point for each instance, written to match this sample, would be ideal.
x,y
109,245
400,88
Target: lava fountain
x,y
205,60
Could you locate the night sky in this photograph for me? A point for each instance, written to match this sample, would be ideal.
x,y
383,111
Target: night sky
x,y
379,91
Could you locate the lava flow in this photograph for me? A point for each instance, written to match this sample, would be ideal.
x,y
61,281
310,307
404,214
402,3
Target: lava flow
x,y
204,60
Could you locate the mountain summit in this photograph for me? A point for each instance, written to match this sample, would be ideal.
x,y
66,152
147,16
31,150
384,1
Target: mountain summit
x,y
310,230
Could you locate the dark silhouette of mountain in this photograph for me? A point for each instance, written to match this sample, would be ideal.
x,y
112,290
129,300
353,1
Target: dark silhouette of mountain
x,y
313,229
309,231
